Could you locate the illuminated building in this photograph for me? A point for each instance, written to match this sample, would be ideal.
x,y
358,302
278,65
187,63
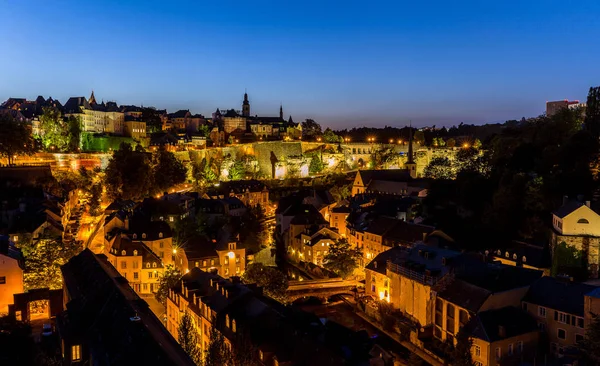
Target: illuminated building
x,y
11,273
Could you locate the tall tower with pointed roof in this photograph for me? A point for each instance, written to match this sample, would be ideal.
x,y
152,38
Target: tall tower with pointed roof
x,y
246,106
281,111
410,164
92,99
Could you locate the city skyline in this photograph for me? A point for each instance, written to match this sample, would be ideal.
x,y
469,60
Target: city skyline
x,y
344,66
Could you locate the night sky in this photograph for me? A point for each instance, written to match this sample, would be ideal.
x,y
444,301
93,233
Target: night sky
x,y
343,63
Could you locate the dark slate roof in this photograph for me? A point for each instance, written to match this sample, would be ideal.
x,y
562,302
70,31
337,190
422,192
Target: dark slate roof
x,y
568,208
498,277
8,249
99,316
393,175
559,294
378,264
513,321
307,215
267,120
179,114
231,113
74,105
199,247
237,187
463,294
527,254
124,243
152,229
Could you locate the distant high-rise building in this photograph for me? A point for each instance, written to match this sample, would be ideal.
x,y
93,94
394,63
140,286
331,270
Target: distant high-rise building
x,y
554,107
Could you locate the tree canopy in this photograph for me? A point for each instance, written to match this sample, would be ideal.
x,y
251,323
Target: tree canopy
x,y
187,336
273,281
169,278
310,129
342,259
15,138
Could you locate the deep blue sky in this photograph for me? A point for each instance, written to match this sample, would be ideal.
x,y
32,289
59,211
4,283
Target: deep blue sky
x,y
343,63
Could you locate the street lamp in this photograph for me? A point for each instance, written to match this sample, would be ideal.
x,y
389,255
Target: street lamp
x,y
318,139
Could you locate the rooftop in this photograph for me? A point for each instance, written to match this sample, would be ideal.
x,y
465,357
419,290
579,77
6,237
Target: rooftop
x,y
559,294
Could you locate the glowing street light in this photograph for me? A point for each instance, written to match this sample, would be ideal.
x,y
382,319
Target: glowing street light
x,y
465,145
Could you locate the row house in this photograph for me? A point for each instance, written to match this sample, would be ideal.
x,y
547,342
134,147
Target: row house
x,y
104,322
137,263
225,258
251,192
277,335
312,245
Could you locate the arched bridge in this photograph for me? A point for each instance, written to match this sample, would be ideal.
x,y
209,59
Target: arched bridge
x,y
324,288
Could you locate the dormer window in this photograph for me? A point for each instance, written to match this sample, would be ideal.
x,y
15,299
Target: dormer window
x,y
144,236
499,252
148,265
227,324
153,264
160,235
583,221
135,252
123,252
507,255
135,236
515,256
524,259
233,327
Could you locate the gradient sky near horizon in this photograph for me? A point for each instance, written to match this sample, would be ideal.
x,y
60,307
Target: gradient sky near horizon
x,y
343,63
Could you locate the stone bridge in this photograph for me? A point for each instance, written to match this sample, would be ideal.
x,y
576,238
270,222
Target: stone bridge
x,y
321,289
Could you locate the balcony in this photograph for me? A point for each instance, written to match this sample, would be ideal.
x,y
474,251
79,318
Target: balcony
x,y
421,277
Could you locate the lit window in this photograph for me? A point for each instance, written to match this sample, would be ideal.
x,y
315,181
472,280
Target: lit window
x,y
153,264
144,236
233,327
160,235
171,218
76,353
477,350
123,252
135,275
148,265
2,280
135,252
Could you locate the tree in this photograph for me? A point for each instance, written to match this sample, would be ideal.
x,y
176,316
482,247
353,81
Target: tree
x,y
273,282
43,259
236,171
73,133
217,353
230,140
55,132
168,171
419,137
451,142
342,259
477,144
590,346
169,278
128,174
152,119
592,112
187,337
15,138
316,164
340,192
331,137
204,130
95,197
461,354
440,168
310,129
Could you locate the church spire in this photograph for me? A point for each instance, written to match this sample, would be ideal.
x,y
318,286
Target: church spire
x,y
246,106
281,111
92,99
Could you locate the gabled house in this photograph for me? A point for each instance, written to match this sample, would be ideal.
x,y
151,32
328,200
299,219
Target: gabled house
x,y
577,225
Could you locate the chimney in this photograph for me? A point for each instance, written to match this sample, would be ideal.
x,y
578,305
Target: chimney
x,y
565,200
194,298
501,331
588,203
